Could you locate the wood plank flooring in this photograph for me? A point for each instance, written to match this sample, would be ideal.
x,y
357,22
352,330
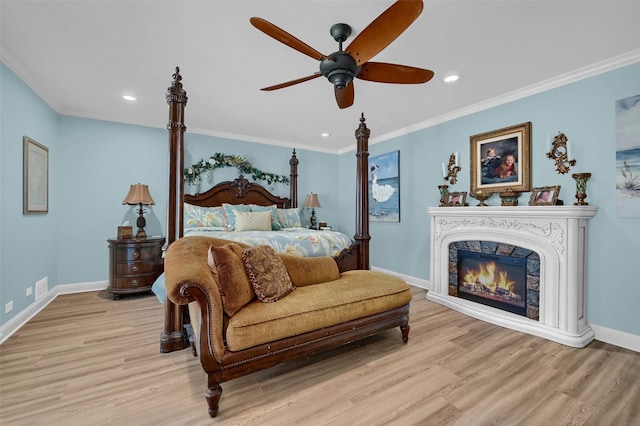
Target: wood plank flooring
x,y
89,360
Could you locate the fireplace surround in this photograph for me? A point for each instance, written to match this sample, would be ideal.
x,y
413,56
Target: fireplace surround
x,y
558,236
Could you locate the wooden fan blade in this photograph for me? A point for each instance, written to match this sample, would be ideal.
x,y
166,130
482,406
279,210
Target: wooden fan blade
x,y
345,96
392,73
384,29
292,82
284,37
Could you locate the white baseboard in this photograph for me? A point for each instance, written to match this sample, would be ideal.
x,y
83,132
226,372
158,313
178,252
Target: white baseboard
x,y
617,337
418,282
15,323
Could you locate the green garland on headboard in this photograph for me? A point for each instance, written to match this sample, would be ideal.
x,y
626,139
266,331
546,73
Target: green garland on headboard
x,y
193,174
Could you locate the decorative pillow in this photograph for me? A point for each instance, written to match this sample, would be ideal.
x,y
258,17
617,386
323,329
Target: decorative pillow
x,y
253,221
204,217
275,223
233,283
289,218
310,270
267,273
230,210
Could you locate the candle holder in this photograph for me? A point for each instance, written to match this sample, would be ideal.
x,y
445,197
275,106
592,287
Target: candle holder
x,y
581,188
444,191
452,169
482,197
560,153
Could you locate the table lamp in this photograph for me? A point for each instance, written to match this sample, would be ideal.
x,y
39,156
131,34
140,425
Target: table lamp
x,y
139,194
312,202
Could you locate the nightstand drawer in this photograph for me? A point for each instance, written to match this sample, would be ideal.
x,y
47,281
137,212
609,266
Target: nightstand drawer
x,y
134,282
141,252
132,268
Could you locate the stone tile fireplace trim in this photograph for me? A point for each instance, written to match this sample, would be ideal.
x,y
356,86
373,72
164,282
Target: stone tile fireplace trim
x,y
557,233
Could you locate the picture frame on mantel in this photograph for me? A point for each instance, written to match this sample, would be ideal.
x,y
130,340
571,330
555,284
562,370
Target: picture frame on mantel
x,y
456,199
544,196
501,159
36,177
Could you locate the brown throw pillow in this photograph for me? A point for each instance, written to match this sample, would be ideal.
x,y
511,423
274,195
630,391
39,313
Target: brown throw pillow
x,y
267,273
233,283
310,270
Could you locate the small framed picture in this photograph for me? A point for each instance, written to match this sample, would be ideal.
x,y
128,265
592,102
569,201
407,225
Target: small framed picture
x,y
36,177
456,199
544,196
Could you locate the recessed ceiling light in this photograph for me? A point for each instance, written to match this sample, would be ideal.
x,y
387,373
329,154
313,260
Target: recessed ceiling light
x,y
129,98
452,77
325,135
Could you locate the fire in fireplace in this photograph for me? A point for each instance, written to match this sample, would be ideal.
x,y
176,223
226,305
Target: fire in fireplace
x,y
494,280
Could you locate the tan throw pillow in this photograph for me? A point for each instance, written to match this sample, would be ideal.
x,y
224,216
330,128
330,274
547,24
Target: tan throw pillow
x,y
267,273
253,221
310,270
233,283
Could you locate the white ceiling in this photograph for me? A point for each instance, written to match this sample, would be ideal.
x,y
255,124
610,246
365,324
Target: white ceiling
x,y
82,56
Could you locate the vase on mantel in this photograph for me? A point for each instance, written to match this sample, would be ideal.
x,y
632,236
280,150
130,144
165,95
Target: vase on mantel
x,y
444,191
581,188
482,197
509,197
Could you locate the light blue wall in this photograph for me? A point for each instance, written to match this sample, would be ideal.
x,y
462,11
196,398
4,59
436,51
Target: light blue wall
x,y
97,162
28,243
584,111
92,163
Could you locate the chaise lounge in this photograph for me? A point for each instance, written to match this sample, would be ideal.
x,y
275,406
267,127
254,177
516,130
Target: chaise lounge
x,y
251,308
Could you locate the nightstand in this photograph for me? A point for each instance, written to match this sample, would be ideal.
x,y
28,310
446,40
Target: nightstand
x,y
134,264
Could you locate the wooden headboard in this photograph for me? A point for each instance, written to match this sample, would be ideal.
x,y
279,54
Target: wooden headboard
x,y
238,191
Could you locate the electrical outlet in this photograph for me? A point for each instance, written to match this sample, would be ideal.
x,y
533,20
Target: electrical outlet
x,y
8,307
29,291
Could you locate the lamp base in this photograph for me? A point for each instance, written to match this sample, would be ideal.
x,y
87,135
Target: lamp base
x,y
141,222
313,221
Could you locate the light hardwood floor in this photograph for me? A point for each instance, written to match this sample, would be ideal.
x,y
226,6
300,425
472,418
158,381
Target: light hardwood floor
x,y
89,360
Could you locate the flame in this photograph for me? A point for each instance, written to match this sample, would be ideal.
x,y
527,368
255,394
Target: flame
x,y
486,275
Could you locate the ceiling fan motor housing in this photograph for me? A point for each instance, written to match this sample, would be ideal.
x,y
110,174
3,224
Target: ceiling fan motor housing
x,y
339,68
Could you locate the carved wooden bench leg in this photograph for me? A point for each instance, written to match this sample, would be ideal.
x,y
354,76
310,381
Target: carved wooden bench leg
x,y
213,398
405,332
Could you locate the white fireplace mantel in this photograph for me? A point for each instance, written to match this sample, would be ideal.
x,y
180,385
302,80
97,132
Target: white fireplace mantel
x,y
557,233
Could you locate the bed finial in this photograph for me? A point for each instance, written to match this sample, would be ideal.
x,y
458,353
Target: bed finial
x,y
293,179
177,76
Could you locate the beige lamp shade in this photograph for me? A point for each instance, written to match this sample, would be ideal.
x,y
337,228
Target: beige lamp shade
x,y
312,201
138,194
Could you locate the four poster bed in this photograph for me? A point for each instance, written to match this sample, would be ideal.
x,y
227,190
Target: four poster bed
x,y
241,191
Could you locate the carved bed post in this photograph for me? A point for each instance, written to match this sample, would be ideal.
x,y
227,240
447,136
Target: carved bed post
x,y
174,337
362,236
293,184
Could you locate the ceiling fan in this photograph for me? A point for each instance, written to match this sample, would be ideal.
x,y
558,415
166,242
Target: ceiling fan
x,y
341,67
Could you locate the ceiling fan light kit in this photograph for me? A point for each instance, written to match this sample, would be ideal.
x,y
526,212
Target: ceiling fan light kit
x,y
341,67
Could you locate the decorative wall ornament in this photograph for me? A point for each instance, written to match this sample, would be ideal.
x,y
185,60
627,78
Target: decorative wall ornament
x,y
559,152
450,173
192,175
